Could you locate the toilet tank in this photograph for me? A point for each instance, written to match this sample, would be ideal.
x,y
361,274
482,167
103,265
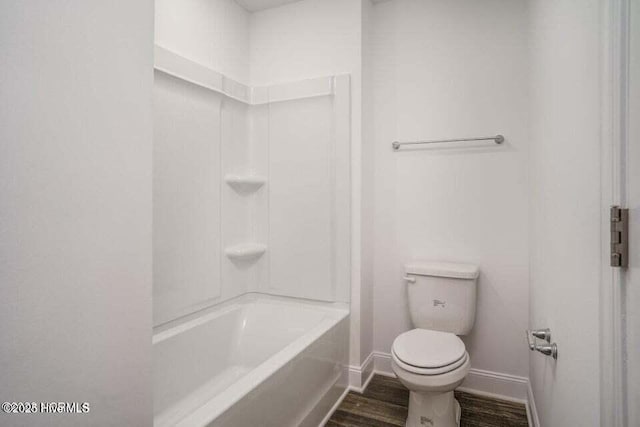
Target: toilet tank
x,y
442,295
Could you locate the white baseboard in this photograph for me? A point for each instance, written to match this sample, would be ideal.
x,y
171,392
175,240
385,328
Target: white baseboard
x,y
496,384
382,363
359,376
532,412
478,381
333,409
487,383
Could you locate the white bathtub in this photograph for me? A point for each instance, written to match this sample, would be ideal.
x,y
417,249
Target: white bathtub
x,y
253,361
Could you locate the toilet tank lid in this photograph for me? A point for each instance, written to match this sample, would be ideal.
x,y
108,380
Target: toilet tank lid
x,y
443,269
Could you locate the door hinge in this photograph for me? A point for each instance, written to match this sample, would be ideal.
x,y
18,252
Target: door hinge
x,y
619,236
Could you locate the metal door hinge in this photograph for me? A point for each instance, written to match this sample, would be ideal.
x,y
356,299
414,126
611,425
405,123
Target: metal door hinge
x,y
619,236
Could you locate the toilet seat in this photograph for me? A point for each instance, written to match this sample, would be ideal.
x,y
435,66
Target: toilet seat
x,y
427,352
429,371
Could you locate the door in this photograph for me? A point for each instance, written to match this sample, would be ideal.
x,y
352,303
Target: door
x,y
630,278
565,216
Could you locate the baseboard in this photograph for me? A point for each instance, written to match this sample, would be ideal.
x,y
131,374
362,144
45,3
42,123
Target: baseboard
x,y
496,384
382,364
359,376
333,409
532,412
478,381
486,383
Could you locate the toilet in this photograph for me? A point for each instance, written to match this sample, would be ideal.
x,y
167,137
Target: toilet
x,y
431,360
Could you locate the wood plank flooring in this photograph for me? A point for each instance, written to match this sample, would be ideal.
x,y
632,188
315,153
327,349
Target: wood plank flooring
x,y
384,404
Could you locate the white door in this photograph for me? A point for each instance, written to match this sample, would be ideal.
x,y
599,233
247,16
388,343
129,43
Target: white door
x,y
631,191
566,254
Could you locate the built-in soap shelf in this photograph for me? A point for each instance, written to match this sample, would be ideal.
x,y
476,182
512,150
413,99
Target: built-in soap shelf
x,y
245,251
245,183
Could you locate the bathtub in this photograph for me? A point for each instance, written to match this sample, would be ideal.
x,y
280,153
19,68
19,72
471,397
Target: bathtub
x,y
253,361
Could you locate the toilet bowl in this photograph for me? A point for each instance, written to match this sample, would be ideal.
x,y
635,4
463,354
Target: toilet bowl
x,y
431,364
431,360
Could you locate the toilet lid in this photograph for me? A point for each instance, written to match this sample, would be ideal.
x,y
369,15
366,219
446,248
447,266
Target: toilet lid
x,y
424,348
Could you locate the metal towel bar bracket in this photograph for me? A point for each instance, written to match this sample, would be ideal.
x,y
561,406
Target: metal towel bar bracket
x,y
498,139
548,349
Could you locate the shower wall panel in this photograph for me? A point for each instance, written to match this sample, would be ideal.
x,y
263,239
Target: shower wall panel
x,y
301,146
309,210
239,275
186,198
251,188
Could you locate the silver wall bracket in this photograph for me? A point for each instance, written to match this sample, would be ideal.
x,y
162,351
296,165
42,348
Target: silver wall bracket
x,y
619,219
548,348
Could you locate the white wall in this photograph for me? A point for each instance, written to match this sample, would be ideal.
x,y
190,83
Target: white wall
x,y
444,69
565,207
314,38
306,39
75,209
214,33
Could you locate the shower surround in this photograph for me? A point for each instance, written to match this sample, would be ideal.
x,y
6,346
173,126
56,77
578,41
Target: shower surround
x,y
251,245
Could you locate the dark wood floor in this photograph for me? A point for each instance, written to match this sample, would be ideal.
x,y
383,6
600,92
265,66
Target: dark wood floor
x,y
384,404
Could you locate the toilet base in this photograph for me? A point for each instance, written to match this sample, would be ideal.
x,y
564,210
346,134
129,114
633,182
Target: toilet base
x,y
433,409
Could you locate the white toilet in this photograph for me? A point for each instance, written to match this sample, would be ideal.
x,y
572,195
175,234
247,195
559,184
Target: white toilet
x,y
431,361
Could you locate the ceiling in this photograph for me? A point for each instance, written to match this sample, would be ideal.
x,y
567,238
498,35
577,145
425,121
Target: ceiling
x,y
256,5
